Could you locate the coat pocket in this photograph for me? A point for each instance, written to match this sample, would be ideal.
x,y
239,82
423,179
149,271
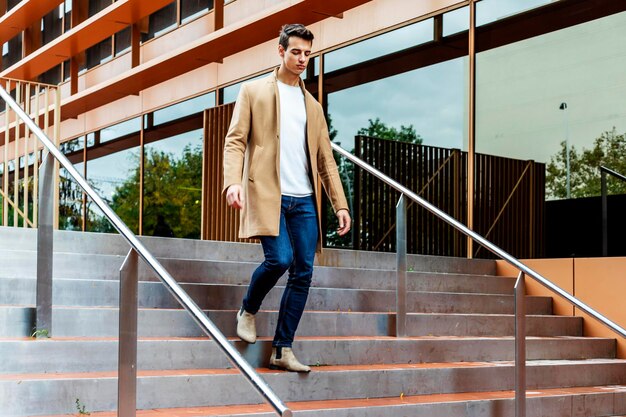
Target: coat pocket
x,y
255,159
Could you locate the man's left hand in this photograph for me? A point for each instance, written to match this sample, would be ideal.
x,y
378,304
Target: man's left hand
x,y
344,221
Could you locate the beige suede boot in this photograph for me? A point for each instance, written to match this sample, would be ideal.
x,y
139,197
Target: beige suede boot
x,y
283,358
246,326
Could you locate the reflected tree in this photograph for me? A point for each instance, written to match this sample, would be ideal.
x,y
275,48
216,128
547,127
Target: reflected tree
x,y
608,150
381,130
172,194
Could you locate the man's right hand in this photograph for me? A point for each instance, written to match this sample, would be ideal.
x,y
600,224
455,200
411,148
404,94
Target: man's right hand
x,y
234,196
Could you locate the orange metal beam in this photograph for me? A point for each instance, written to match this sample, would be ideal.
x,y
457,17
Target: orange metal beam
x,y
100,26
23,16
210,48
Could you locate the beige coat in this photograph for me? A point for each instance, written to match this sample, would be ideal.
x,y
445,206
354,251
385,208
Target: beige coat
x,y
252,156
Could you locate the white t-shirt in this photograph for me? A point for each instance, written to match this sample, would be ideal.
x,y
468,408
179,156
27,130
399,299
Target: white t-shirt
x,y
294,165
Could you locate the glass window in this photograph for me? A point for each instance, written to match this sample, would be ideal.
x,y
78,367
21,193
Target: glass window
x,y
52,26
70,193
99,53
115,177
558,99
122,41
190,9
12,3
185,108
67,11
428,102
173,186
380,45
96,6
12,51
229,94
488,11
121,129
456,21
161,21
52,76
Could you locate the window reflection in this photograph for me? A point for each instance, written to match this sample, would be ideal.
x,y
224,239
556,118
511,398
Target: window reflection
x,y
430,99
456,21
173,186
120,129
523,85
229,94
380,45
114,174
488,11
190,9
161,21
70,193
185,108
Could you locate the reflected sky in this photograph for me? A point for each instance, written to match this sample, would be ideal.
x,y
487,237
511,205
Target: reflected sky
x,y
108,172
120,129
176,144
185,108
384,44
490,10
432,99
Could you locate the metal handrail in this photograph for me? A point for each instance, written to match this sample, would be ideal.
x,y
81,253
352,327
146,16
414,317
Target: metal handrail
x,y
181,296
480,239
605,215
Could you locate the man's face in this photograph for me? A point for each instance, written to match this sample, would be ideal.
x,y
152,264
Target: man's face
x,y
296,57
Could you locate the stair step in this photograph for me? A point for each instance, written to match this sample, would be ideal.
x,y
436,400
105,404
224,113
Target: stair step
x,y
201,387
105,293
560,402
100,354
12,238
17,321
21,264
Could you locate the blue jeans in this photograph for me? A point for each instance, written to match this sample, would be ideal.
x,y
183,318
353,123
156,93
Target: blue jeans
x,y
294,250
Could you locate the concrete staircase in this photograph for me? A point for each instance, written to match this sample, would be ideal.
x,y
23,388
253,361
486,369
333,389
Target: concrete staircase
x,y
457,361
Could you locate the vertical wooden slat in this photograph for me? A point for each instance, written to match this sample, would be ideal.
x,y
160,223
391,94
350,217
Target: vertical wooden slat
x,y
5,179
36,163
26,143
16,157
221,221
57,143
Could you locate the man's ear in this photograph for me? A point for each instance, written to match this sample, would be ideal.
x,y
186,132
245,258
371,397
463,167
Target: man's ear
x,y
281,50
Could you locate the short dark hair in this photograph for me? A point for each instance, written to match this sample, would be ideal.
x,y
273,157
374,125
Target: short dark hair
x,y
294,29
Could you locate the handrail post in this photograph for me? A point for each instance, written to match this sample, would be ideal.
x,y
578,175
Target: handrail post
x,y
127,345
605,231
45,241
401,267
520,346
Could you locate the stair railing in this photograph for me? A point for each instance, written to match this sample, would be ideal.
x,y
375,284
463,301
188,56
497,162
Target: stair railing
x,y
128,279
605,217
520,292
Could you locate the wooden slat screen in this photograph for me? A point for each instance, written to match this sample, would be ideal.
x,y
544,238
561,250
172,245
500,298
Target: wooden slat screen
x,y
220,222
509,199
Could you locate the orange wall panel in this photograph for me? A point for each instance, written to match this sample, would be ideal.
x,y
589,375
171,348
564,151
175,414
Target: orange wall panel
x,y
601,284
598,282
558,271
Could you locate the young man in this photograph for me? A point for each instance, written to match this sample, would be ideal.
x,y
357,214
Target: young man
x,y
276,147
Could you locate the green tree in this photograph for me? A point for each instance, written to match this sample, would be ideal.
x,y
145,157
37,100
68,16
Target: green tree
x,y
376,128
380,130
172,193
608,150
